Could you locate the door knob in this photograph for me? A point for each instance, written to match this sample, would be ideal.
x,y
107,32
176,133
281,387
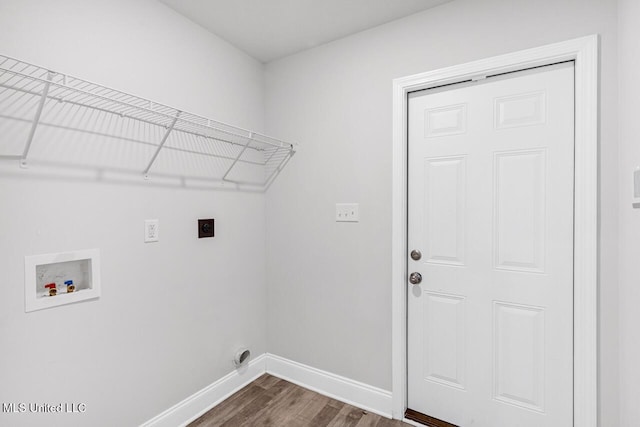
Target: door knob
x,y
415,278
416,255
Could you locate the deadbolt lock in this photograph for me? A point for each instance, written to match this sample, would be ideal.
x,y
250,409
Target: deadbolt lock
x,y
416,255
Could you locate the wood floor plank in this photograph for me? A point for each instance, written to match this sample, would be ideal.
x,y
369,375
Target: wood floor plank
x,y
242,417
368,420
272,402
348,416
386,422
227,408
276,407
309,412
266,381
326,414
287,414
283,411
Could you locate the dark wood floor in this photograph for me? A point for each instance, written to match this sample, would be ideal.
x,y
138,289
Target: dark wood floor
x,y
270,401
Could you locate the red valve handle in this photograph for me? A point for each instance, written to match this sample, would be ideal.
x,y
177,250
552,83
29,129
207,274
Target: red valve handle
x,y
50,286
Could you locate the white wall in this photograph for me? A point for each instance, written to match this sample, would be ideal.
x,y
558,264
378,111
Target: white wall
x,y
329,283
171,313
629,105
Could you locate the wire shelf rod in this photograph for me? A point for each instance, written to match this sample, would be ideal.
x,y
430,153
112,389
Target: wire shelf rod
x,y
62,100
16,99
43,97
237,158
36,119
164,139
20,79
278,169
124,138
271,156
128,104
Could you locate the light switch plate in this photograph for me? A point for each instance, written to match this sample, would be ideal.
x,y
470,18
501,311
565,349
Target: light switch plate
x,y
151,230
347,212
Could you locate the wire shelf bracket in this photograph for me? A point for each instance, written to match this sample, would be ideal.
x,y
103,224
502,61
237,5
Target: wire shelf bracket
x,y
57,119
36,120
164,140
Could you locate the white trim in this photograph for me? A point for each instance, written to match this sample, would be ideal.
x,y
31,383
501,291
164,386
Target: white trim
x,y
200,402
584,51
346,390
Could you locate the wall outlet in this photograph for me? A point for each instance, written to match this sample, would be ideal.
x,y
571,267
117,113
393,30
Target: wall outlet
x,y
347,212
151,230
206,228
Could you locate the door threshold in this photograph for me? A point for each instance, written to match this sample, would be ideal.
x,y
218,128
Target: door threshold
x,y
426,420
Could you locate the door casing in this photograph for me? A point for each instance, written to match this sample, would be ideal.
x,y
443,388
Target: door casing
x,y
584,51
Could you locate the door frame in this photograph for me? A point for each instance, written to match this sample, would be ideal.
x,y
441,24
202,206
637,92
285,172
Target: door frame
x,y
584,51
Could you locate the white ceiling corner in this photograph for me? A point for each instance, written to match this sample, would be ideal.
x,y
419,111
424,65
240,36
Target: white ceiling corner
x,y
272,29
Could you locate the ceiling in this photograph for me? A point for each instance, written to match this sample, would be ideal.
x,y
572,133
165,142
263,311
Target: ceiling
x,y
271,29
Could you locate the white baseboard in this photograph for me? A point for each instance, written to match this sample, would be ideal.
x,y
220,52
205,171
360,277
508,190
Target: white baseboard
x,y
197,404
346,390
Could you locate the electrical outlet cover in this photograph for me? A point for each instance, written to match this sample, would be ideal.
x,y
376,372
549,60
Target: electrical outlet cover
x,y
151,230
206,228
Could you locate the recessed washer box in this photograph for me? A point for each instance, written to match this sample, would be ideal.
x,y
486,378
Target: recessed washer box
x,y
58,269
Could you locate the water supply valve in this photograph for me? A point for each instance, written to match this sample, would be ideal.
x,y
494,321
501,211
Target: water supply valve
x,y
70,286
52,289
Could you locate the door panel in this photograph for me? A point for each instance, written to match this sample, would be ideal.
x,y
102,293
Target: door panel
x,y
490,328
444,339
444,210
519,197
519,355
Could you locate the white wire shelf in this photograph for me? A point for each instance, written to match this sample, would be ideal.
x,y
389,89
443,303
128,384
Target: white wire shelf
x,y
57,119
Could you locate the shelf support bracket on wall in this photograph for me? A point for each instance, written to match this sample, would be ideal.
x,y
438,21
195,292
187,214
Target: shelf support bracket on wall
x,y
164,139
36,119
224,177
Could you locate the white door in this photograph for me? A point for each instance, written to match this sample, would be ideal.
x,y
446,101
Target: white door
x,y
490,327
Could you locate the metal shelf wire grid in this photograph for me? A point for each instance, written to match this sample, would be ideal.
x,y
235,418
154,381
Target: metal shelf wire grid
x,y
60,119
